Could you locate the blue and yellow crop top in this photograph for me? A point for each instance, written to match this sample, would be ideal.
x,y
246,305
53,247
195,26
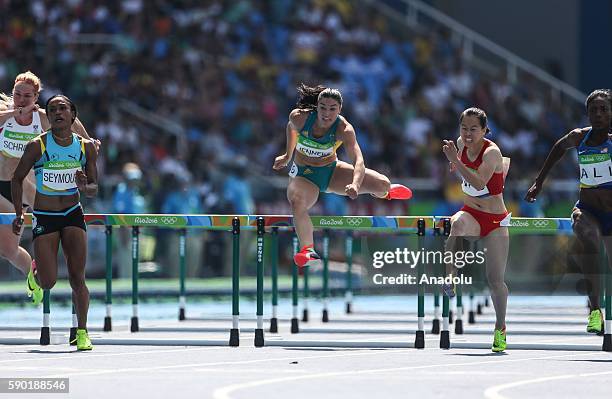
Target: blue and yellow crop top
x,y
56,169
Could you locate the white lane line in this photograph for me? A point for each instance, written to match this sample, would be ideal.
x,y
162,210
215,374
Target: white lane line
x,y
192,365
89,355
494,391
225,392
244,370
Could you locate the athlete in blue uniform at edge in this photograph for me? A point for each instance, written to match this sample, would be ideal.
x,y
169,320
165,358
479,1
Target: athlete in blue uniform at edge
x,y
64,164
21,119
316,130
592,215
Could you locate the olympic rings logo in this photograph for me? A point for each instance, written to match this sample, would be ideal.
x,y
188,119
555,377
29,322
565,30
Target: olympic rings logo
x,y
169,219
541,223
354,221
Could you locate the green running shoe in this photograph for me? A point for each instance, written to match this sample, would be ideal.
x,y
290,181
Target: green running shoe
x,y
595,322
33,289
499,341
82,340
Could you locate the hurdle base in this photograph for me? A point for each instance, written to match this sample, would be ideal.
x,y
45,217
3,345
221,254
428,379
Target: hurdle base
x,y
305,315
458,326
607,343
435,327
45,336
294,326
234,337
471,318
274,325
134,324
486,303
450,316
72,336
445,340
419,342
479,309
349,308
182,314
325,318
108,326
259,337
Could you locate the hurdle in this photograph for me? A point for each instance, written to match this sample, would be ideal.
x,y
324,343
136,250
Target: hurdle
x,y
259,223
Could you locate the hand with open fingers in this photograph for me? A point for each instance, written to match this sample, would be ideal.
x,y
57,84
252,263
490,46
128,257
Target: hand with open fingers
x,y
281,162
17,224
81,179
352,190
450,150
533,192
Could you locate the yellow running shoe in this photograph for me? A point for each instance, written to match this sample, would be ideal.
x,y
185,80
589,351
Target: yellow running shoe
x,y
82,340
499,341
33,289
595,322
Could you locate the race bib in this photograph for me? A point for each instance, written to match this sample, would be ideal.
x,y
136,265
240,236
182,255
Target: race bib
x,y
595,169
470,190
312,149
14,143
60,175
294,170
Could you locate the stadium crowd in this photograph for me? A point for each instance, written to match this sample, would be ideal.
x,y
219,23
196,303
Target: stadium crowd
x,y
224,73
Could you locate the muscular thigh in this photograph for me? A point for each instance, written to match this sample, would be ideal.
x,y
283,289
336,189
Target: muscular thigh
x,y
464,225
74,245
585,226
302,192
343,176
45,253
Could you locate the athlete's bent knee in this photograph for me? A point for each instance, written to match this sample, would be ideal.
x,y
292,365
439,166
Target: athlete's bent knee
x,y
297,201
46,284
383,184
459,227
583,229
76,281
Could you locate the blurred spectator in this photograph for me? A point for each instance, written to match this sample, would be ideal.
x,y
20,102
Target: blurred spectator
x,y
236,189
127,197
182,197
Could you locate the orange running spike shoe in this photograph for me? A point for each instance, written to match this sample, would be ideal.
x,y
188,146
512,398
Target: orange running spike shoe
x,y
399,192
307,257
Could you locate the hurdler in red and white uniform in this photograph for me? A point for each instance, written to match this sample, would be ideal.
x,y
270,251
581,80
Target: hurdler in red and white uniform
x,y
484,214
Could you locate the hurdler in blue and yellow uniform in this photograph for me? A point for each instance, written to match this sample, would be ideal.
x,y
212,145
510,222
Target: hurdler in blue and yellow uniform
x,y
56,175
